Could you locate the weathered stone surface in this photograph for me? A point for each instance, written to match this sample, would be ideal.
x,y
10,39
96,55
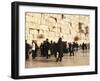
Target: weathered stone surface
x,y
40,26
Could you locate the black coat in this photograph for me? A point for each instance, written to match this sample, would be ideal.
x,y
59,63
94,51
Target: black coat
x,y
60,47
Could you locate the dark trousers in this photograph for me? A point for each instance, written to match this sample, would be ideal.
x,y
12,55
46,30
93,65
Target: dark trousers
x,y
59,58
71,53
46,52
27,57
33,54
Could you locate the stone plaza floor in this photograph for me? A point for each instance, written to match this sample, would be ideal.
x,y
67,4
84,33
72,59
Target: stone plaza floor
x,y
79,59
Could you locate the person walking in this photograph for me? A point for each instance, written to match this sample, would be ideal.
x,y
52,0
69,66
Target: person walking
x,y
60,50
33,49
27,48
47,47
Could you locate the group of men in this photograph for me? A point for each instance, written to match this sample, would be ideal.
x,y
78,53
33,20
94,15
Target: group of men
x,y
47,49
52,48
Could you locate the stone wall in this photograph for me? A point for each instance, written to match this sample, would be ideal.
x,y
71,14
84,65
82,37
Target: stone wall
x,y
40,26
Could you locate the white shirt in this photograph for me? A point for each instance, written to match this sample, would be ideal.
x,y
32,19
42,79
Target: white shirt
x,y
33,46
